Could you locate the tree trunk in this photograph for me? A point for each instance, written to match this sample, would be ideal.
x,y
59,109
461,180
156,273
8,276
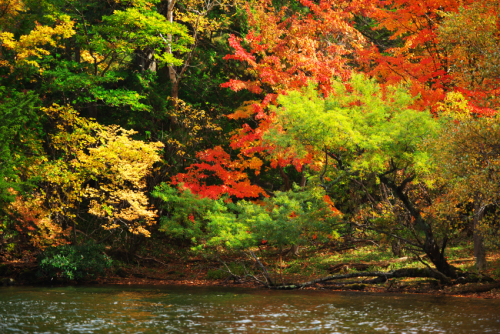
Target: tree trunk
x,y
430,246
436,256
479,249
174,93
287,185
77,53
303,179
293,250
172,70
396,248
145,60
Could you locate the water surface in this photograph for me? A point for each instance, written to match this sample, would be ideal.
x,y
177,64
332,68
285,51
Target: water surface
x,y
118,309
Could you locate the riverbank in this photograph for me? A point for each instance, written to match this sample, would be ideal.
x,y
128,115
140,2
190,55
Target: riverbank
x,y
311,263
471,290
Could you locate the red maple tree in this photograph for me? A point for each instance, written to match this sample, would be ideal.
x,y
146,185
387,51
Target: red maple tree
x,y
282,52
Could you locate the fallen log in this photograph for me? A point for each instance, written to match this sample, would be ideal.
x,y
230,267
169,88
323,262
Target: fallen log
x,y
476,289
381,277
468,259
358,266
407,258
462,260
364,266
473,278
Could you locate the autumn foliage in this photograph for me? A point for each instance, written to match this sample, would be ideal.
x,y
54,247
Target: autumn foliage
x,y
237,123
283,51
443,47
34,223
103,165
217,164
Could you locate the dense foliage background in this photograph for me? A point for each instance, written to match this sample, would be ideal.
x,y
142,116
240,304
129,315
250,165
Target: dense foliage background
x,y
228,124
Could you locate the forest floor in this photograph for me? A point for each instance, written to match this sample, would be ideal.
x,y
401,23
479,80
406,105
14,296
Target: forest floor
x,y
181,267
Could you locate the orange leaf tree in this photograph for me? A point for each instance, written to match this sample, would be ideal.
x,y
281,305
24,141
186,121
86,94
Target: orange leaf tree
x,y
436,39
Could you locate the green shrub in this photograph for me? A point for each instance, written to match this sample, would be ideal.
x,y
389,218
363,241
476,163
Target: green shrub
x,y
74,262
295,217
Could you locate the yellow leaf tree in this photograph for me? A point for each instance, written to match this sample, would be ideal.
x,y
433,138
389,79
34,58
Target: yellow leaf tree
x,y
467,159
30,46
99,170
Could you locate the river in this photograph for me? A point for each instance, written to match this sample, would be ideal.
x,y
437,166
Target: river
x,y
125,309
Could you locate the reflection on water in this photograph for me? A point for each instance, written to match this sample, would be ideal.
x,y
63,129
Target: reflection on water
x,y
209,310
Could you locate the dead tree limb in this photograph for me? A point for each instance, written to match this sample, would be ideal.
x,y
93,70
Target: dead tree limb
x,y
264,270
383,276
